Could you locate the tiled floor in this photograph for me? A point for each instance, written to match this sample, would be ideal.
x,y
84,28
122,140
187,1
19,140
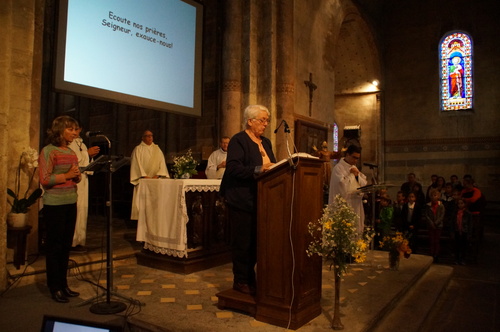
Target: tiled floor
x,y
176,302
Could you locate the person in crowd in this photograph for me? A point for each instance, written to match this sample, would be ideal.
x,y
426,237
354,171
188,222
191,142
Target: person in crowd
x,y
407,187
59,175
455,182
84,156
449,203
249,153
462,226
216,165
434,216
433,185
419,193
475,202
346,179
411,216
384,221
398,209
147,162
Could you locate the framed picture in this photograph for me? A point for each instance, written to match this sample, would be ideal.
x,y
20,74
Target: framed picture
x,y
308,134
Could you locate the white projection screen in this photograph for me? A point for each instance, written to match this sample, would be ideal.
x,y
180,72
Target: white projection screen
x,y
145,53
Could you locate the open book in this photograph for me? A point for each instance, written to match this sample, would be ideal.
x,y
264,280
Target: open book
x,y
298,154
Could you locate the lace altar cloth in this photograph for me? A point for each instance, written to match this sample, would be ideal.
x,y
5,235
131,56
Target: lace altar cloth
x,y
163,213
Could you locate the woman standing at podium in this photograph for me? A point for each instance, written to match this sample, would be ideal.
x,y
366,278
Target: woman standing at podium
x,y
248,154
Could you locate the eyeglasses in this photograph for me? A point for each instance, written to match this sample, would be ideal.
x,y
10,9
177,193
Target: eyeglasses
x,y
263,121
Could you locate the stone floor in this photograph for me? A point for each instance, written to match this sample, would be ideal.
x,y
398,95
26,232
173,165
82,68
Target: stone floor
x,y
158,300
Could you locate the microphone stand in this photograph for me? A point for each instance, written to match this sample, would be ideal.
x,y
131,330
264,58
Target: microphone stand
x,y
109,307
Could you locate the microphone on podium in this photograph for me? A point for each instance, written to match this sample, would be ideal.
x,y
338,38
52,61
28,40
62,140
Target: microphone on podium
x,y
89,134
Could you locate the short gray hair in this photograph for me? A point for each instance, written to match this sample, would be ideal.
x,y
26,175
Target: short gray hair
x,y
252,111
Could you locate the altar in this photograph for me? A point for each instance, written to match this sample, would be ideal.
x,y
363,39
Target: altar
x,y
182,223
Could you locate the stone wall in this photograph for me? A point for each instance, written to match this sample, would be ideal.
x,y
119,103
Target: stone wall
x,y
20,76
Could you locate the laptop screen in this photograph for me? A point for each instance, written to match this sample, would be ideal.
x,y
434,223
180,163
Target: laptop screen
x,y
62,324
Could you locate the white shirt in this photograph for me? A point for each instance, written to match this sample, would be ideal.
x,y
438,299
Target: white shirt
x,y
215,159
343,182
147,161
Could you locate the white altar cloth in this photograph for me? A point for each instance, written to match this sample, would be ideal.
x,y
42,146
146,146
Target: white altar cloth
x,y
163,213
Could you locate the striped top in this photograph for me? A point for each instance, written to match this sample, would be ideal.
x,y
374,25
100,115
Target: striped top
x,y
53,163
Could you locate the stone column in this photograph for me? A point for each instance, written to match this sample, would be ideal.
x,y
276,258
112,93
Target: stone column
x,y
231,108
285,89
20,76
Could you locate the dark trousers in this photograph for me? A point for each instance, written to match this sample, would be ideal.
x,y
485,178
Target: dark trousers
x,y
434,238
60,222
243,245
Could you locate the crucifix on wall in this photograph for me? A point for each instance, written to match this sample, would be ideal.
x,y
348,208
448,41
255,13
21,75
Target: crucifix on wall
x,y
311,87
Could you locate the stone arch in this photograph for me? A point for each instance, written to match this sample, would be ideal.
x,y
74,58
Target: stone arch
x,y
357,100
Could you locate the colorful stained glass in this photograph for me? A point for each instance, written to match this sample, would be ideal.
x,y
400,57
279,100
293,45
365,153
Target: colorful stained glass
x,y
335,137
456,72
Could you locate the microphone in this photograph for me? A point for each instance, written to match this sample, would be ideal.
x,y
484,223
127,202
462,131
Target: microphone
x,y
276,130
370,165
287,128
89,134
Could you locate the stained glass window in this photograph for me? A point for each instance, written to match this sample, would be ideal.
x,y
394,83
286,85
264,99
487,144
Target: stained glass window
x,y
456,72
335,137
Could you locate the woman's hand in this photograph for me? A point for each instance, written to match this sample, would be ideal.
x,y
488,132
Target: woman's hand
x,y
266,167
73,173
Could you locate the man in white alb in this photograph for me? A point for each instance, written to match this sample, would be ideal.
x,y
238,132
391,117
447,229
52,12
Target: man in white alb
x,y
147,161
84,155
217,160
346,179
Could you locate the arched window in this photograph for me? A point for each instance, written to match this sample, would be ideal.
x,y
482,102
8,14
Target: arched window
x,y
335,137
456,72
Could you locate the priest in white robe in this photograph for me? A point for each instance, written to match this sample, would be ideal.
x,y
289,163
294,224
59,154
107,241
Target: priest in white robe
x,y
346,179
84,156
147,161
217,161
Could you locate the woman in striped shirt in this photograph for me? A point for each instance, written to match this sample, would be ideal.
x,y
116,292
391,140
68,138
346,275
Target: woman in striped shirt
x,y
59,174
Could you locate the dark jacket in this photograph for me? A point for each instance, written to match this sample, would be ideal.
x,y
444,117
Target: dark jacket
x,y
239,185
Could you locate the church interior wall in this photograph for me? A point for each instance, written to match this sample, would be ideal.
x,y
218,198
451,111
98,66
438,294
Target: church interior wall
x,y
420,138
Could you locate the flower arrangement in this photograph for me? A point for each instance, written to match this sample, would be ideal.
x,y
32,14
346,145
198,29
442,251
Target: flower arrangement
x,y
335,236
185,166
398,246
397,243
27,162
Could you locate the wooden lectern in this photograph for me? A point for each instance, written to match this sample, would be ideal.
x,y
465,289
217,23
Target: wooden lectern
x,y
288,281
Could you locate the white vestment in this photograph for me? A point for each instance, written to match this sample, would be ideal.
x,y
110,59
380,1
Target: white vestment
x,y
215,159
82,204
343,182
147,161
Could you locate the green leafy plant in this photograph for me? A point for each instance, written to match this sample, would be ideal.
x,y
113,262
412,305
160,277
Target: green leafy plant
x,y
185,165
335,237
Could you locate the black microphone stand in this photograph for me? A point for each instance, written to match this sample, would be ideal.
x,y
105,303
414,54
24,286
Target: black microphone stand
x,y
109,307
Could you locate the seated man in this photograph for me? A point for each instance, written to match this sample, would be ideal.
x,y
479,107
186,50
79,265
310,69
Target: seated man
x,y
147,161
217,160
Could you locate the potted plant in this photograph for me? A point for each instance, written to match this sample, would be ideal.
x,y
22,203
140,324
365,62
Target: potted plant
x,y
397,245
20,205
185,166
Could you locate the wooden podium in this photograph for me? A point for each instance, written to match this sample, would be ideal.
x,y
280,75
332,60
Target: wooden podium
x,y
288,281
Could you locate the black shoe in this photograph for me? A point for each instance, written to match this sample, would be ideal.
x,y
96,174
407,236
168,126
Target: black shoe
x,y
69,293
243,288
58,296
